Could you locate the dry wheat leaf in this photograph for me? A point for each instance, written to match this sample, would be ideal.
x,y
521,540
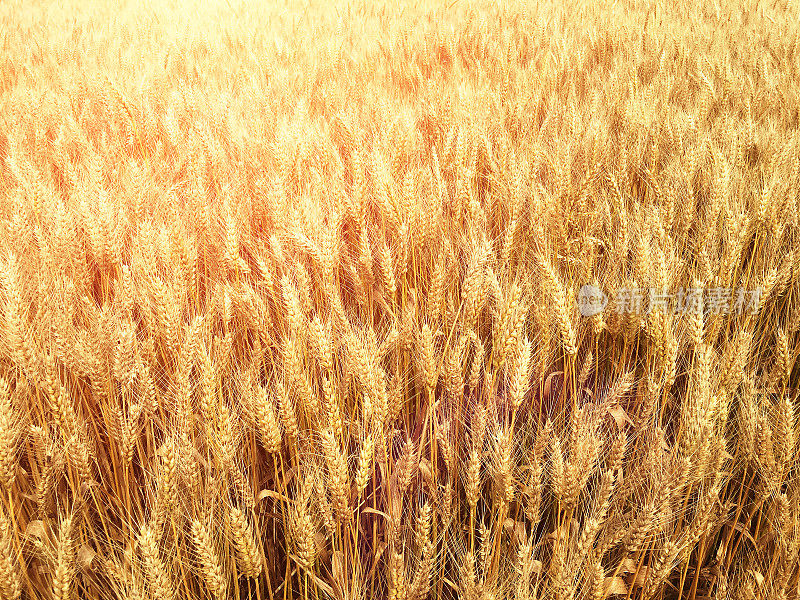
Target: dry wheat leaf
x,y
739,526
641,577
536,567
377,555
516,529
35,529
315,578
451,585
561,532
548,384
427,472
272,494
615,586
85,557
375,511
338,566
619,415
628,565
757,576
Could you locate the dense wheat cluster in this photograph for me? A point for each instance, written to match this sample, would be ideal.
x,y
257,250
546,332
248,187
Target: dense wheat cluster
x,y
290,301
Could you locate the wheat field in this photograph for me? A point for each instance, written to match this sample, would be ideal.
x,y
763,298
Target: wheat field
x,y
400,301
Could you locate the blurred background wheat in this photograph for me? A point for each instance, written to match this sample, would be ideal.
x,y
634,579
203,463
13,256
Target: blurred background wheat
x,y
289,300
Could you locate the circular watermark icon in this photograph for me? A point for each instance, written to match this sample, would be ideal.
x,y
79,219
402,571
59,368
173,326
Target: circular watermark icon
x,y
591,300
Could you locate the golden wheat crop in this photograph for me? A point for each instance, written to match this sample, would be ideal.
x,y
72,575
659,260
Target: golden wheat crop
x,y
429,300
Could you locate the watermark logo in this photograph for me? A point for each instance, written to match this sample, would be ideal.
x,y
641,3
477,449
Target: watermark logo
x,y
591,300
710,301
